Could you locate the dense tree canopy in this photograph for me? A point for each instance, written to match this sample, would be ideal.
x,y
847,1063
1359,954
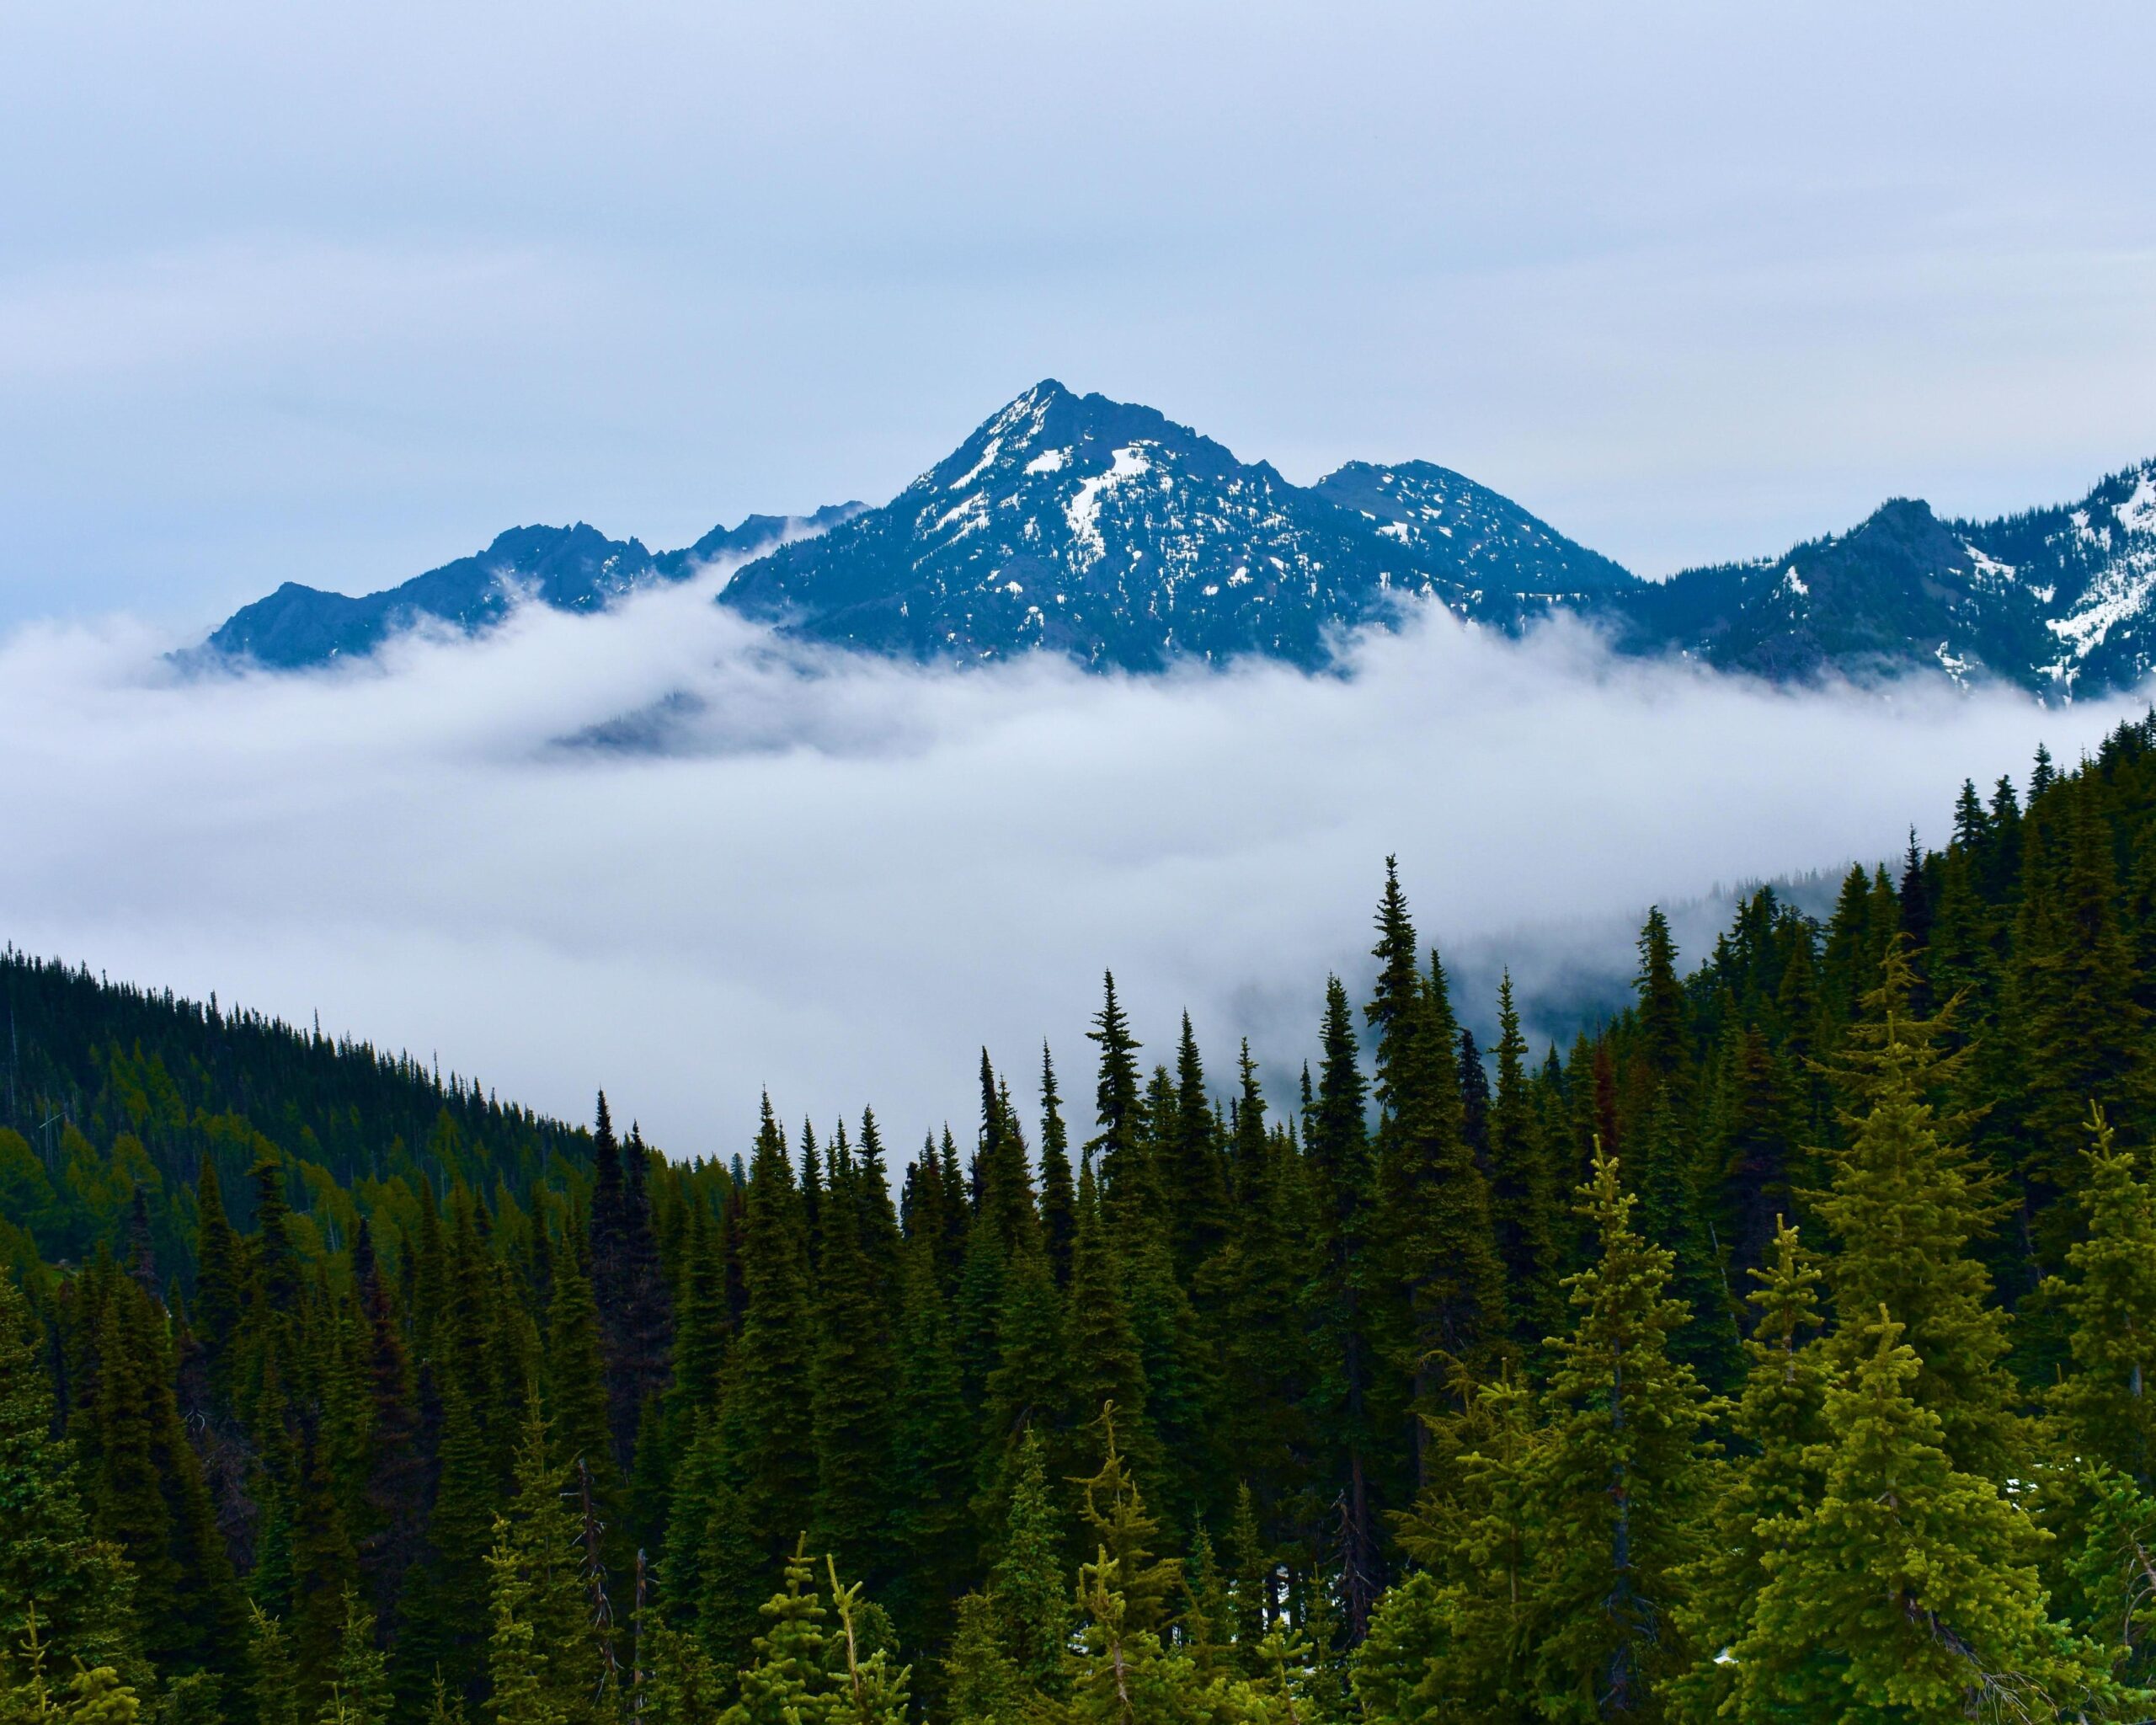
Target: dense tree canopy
x,y
1777,1351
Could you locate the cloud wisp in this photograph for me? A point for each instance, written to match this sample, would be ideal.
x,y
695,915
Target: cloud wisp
x,y
657,852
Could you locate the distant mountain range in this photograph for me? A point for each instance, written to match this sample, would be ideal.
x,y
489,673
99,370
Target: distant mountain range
x,y
570,568
1108,532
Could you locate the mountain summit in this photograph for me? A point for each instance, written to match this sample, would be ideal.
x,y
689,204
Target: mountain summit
x,y
1110,533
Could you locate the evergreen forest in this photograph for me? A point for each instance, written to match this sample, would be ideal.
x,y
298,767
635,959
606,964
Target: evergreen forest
x,y
1776,1351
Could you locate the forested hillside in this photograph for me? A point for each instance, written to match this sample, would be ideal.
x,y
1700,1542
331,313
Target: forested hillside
x,y
1777,1353
116,1097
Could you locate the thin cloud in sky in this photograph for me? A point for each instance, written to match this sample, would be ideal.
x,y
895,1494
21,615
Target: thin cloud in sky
x,y
837,878
339,298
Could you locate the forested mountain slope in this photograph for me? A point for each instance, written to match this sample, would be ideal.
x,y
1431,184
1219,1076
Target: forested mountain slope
x,y
110,1089
1777,1351
2054,600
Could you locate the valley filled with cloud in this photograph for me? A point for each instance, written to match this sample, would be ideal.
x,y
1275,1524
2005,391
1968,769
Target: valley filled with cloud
x,y
661,851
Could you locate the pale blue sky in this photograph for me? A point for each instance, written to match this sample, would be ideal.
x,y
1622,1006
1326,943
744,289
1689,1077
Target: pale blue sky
x,y
334,294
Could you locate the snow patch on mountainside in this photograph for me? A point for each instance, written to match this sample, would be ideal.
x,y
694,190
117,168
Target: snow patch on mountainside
x,y
1083,511
987,460
2120,590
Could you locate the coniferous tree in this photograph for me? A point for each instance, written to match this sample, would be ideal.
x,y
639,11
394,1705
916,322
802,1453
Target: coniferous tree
x,y
2080,1025
53,1570
1474,1099
1448,1286
546,1661
2105,1404
1905,1204
220,1277
1344,1398
275,1678
1264,1366
1477,1534
1105,1365
1058,1193
789,1682
445,1606
1031,1601
851,1395
932,1434
635,1314
870,1688
1752,1134
769,1423
1779,1424
1522,1195
703,1334
1621,1479
1675,1211
882,1241
1193,1182
1029,1383
1118,1149
1662,1027
1907,1590
577,1399
148,1498
392,1495
359,1687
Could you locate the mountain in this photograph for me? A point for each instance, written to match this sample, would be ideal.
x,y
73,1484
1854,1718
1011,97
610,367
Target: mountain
x,y
575,569
1110,533
2054,600
1106,531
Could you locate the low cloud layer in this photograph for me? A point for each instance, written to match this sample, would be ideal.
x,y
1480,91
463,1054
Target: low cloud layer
x,y
655,852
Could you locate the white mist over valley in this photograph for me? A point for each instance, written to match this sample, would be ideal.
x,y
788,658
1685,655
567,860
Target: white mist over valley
x,y
659,850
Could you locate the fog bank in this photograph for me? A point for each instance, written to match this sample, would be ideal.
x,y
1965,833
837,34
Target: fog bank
x,y
655,851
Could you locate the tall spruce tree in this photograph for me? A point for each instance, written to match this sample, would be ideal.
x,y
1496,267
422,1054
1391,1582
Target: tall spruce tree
x,y
852,1395
2105,1404
1523,1194
444,1612
1344,1401
635,1311
579,1407
1059,1191
769,1421
931,1438
1905,1204
1118,1149
1622,1480
1779,1427
547,1660
390,1524
1448,1322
